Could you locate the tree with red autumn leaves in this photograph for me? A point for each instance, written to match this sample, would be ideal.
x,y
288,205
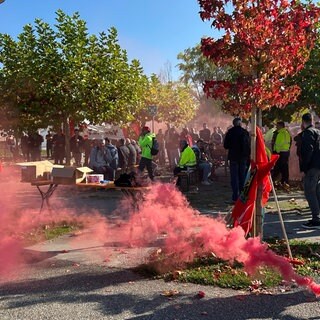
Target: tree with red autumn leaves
x,y
264,42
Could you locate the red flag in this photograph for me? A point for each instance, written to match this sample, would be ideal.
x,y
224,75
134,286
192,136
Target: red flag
x,y
243,210
264,166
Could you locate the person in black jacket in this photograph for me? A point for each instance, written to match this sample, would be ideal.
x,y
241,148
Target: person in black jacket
x,y
310,165
237,142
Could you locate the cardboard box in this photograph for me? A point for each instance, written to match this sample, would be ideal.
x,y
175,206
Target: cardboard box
x,y
34,170
69,175
94,178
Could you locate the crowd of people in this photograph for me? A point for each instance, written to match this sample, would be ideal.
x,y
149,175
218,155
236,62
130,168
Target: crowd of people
x,y
179,151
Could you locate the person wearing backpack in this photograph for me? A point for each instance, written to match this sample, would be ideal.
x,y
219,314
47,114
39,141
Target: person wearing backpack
x,y
310,165
147,143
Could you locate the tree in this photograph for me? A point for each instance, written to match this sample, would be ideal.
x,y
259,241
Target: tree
x,y
308,79
174,100
265,42
196,69
51,76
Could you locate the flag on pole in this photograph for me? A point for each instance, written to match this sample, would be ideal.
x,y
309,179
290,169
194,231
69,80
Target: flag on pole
x,y
258,173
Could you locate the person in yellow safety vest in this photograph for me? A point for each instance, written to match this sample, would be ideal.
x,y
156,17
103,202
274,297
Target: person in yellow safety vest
x,y
187,158
281,144
145,142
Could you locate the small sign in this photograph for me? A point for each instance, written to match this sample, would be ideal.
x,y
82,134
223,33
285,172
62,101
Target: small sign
x,y
153,110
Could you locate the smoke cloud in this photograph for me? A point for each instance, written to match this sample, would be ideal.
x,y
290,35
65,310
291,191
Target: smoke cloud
x,y
164,220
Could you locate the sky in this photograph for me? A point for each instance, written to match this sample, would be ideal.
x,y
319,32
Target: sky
x,y
154,32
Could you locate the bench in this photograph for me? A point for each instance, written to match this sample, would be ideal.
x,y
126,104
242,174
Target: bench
x,y
187,178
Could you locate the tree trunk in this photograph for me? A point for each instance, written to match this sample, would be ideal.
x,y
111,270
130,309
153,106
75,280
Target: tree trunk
x,y
66,129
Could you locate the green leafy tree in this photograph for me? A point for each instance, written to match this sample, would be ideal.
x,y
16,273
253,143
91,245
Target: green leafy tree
x,y
175,101
196,69
51,76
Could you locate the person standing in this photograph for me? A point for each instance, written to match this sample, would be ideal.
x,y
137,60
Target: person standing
x,y
237,142
76,147
310,166
281,144
49,145
132,155
145,142
172,145
162,153
205,133
25,147
138,150
59,147
195,136
87,147
124,153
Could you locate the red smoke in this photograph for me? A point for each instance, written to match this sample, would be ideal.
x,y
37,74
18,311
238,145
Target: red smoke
x,y
188,234
164,217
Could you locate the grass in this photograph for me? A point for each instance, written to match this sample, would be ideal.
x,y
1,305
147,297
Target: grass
x,y
50,231
213,271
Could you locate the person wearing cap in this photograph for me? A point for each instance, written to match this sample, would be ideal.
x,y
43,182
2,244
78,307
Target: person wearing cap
x,y
145,142
237,142
281,144
310,165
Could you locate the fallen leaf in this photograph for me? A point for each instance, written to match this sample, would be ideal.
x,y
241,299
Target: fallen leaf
x,y
201,294
170,293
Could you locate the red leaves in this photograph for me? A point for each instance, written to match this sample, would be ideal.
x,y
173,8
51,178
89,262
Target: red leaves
x,y
269,42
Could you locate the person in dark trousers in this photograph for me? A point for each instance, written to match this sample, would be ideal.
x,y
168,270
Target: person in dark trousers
x,y
25,147
237,142
76,147
87,147
310,165
145,142
281,144
59,147
49,145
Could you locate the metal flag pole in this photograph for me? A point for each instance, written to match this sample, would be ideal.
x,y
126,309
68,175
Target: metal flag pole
x,y
280,217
